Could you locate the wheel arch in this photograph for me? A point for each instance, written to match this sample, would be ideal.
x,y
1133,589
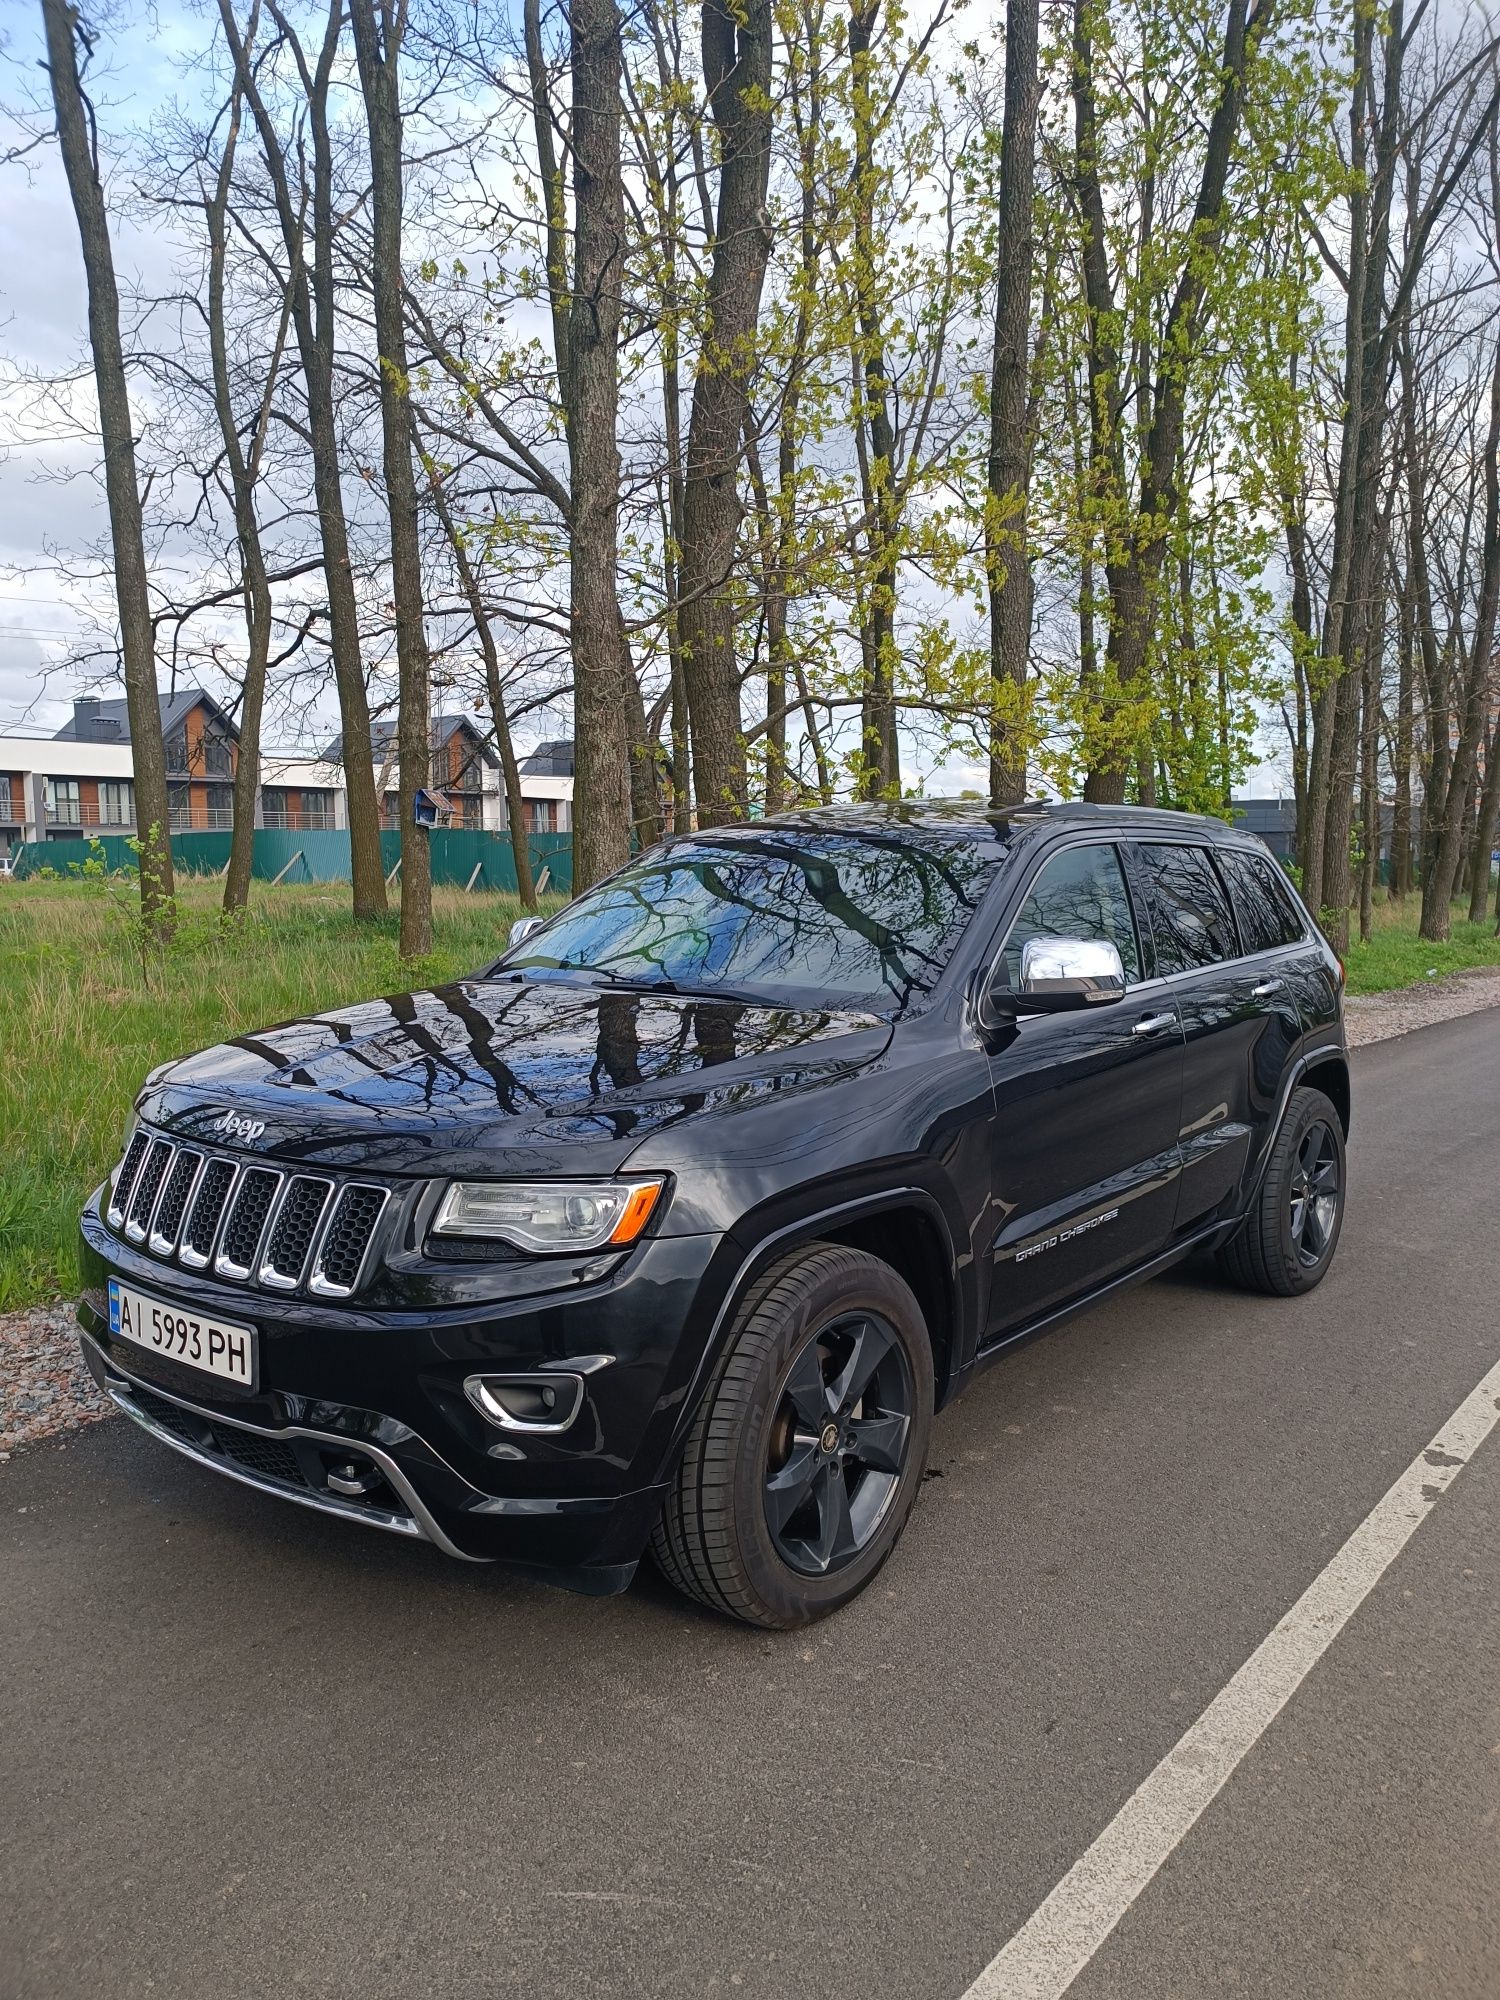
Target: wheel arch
x,y
1328,1071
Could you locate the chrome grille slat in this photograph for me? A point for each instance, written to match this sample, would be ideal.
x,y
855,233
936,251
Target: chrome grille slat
x,y
148,1185
177,1191
245,1220
130,1167
347,1235
200,1232
293,1230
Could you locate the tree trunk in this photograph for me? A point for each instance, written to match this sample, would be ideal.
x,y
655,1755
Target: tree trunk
x,y
510,769
1401,751
1489,821
1437,890
313,317
737,44
127,537
1008,562
243,473
377,28
601,796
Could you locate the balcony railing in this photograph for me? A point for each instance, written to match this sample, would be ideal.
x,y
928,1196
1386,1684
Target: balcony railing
x,y
298,820
70,812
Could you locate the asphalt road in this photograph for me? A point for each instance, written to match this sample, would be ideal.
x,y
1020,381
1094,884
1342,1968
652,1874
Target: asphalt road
x,y
246,1752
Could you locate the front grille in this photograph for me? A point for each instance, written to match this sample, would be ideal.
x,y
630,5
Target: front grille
x,y
174,1199
251,1222
246,1221
347,1238
295,1227
203,1226
130,1166
147,1187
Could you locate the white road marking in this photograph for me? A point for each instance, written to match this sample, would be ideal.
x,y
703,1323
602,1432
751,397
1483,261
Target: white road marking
x,y
1057,1941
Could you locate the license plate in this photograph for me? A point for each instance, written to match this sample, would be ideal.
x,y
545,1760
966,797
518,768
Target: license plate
x,y
214,1346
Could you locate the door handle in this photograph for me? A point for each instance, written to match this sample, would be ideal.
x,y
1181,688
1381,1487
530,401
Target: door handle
x,y
1265,989
1153,1024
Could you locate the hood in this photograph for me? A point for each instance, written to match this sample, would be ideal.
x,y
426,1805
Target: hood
x,y
425,1082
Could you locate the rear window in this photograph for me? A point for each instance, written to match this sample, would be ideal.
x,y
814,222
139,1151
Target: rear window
x,y
1191,918
1266,913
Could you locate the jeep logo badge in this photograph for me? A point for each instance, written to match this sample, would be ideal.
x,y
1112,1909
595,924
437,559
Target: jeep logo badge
x,y
232,1126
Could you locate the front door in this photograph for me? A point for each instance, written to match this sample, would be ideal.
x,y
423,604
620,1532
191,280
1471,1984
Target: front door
x,y
1085,1157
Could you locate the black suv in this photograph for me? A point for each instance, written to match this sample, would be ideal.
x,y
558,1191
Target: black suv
x,y
677,1224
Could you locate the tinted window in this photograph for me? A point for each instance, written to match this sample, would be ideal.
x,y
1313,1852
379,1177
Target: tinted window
x,y
1267,916
781,917
1079,894
1190,915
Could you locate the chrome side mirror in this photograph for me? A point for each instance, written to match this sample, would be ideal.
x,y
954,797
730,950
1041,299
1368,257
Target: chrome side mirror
x,y
523,927
1058,974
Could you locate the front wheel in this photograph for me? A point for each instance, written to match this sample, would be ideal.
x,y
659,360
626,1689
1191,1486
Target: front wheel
x,y
808,1449
1292,1230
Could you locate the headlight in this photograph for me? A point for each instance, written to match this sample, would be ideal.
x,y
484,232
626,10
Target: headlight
x,y
549,1215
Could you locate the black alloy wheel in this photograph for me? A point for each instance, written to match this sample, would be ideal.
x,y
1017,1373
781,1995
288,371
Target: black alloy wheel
x,y
837,1443
806,1453
1317,1181
1288,1238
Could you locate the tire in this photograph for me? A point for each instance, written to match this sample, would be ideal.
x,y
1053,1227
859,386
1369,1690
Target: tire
x,y
1288,1239
769,1416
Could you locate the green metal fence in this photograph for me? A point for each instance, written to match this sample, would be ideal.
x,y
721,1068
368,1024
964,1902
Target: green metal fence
x,y
322,855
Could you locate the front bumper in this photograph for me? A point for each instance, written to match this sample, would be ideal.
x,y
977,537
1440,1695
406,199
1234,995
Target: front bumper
x,y
374,1403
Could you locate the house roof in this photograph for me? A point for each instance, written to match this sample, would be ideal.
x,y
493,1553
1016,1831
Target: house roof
x,y
383,738
550,760
115,715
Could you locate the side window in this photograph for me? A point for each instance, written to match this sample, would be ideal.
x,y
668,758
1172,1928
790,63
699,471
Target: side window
x,y
1267,916
1191,919
1080,893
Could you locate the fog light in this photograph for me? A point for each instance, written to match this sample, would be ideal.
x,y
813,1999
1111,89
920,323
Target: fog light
x,y
546,1401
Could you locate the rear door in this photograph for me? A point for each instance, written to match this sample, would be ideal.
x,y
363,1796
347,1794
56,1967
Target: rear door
x,y
1239,1022
1087,1104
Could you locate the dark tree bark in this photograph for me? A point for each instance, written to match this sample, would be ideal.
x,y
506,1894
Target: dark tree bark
x,y
510,769
1443,877
1489,821
880,776
378,27
1402,749
1008,563
313,318
244,470
737,70
586,338
77,142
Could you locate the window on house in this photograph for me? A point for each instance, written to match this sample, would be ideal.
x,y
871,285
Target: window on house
x,y
541,815
116,802
63,803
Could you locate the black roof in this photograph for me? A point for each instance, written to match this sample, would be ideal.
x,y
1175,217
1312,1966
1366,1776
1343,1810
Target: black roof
x,y
383,738
109,721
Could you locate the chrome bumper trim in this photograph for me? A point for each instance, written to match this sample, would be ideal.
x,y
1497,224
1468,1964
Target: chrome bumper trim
x,y
419,1525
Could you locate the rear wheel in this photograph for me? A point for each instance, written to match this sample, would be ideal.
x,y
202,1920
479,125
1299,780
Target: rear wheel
x,y
805,1457
1289,1237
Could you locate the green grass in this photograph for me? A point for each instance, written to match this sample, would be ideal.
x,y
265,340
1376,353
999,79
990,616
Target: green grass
x,y
1396,956
83,1018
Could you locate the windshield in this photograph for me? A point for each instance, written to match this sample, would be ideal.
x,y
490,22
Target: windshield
x,y
781,917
